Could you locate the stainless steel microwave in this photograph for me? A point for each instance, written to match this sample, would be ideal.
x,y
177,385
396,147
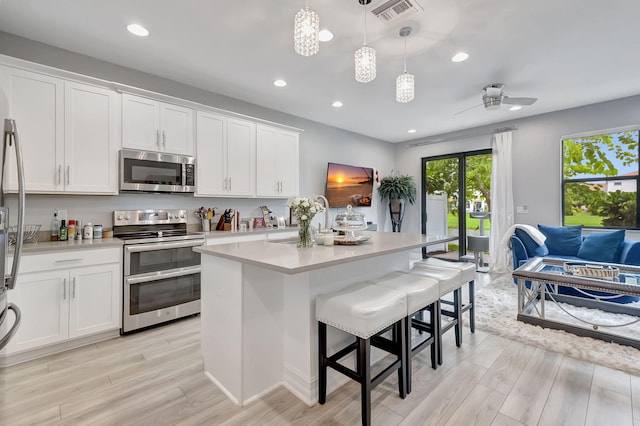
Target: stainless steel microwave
x,y
148,171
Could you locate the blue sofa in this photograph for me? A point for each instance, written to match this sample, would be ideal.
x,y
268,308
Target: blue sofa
x,y
567,242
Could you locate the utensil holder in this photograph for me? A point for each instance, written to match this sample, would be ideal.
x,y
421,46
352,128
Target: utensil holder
x,y
206,225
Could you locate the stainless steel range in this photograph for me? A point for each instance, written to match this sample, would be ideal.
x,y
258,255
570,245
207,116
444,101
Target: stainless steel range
x,y
161,271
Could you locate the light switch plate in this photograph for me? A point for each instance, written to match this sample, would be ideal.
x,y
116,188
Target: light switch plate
x,y
522,209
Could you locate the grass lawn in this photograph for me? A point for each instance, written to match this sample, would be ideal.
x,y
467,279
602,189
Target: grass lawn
x,y
582,218
472,224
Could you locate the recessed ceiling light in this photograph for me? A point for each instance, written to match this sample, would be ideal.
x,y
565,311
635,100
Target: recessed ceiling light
x,y
279,83
411,131
515,108
459,57
325,35
337,104
138,30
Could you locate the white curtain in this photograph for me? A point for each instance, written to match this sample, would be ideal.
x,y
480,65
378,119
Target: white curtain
x,y
502,214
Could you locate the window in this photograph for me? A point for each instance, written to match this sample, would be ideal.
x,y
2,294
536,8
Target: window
x,y
600,180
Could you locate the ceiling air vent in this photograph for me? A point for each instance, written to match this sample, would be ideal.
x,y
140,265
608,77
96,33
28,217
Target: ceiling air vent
x,y
389,11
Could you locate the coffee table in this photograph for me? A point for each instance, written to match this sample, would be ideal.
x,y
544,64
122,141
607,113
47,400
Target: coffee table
x,y
538,283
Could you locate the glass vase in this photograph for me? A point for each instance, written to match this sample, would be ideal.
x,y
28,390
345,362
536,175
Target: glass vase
x,y
304,234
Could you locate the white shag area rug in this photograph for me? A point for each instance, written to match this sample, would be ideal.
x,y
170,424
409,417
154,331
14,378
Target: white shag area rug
x,y
496,311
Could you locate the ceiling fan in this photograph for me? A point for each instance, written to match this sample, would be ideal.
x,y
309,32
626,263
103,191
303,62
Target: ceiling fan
x,y
493,97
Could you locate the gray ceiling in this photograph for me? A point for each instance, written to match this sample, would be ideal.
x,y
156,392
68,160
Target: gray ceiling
x,y
566,53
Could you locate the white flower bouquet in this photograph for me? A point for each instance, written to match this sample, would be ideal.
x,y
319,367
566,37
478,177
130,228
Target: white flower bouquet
x,y
304,209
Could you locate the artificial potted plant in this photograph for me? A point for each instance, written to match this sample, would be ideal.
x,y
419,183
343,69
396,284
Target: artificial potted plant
x,y
397,188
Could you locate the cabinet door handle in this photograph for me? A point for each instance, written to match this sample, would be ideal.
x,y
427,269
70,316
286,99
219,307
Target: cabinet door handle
x,y
73,289
164,140
69,260
59,173
229,183
64,289
68,174
158,138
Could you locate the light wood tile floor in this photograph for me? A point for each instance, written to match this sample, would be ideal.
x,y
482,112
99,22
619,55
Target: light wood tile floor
x,y
156,378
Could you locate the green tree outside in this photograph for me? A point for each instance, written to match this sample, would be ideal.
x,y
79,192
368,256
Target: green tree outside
x,y
592,156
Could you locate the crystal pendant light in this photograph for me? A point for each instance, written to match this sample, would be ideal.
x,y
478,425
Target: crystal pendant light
x,y
365,57
405,83
306,41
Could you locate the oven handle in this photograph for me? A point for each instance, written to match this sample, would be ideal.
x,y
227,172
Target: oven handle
x,y
136,248
137,279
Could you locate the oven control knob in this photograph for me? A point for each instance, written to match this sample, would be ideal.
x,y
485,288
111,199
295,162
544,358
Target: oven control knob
x,y
126,217
182,216
170,217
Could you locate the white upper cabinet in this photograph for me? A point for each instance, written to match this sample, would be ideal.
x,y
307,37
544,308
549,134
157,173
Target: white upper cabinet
x,y
91,139
68,134
225,156
156,126
211,140
36,102
277,162
241,157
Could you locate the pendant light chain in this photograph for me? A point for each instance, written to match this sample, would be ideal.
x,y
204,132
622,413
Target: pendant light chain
x,y
405,54
365,24
405,83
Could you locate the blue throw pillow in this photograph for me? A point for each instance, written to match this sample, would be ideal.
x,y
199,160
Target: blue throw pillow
x,y
562,240
533,249
602,246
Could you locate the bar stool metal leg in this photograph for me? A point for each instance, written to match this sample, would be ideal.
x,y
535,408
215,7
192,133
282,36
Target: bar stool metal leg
x,y
457,311
472,304
364,372
322,355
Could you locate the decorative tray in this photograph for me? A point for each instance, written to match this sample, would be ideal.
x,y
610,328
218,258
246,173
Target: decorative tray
x,y
349,241
591,270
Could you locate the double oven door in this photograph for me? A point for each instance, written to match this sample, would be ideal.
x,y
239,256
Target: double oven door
x,y
161,282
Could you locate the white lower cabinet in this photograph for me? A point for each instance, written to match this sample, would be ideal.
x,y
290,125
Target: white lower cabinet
x,y
79,296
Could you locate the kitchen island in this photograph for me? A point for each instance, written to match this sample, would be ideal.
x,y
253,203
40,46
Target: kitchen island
x,y
258,308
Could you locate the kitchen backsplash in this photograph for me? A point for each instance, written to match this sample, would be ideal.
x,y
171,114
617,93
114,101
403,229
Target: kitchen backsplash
x,y
99,209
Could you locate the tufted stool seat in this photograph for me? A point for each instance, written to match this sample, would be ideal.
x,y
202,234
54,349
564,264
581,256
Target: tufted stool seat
x,y
422,293
364,311
467,275
449,281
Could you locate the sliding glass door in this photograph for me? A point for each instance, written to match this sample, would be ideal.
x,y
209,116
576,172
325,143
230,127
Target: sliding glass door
x,y
457,199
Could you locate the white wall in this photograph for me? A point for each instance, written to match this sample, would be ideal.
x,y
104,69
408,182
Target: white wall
x,y
319,144
537,162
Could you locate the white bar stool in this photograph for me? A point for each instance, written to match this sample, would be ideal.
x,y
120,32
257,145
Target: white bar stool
x,y
365,311
422,293
467,275
448,281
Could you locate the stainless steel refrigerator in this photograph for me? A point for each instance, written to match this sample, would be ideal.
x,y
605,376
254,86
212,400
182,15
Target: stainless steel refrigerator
x,y
9,279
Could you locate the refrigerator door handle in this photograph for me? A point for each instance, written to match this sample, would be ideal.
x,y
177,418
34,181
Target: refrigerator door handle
x,y
14,328
11,133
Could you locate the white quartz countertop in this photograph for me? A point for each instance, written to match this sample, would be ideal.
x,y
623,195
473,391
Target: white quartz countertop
x,y
284,256
43,246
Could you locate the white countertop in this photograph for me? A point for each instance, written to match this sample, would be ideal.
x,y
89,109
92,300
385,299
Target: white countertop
x,y
285,257
43,246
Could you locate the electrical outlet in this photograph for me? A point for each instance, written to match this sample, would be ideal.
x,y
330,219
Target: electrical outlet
x,y
62,214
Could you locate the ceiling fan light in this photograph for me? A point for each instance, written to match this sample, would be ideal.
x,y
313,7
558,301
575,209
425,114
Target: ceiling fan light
x,y
365,60
306,41
491,102
405,87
